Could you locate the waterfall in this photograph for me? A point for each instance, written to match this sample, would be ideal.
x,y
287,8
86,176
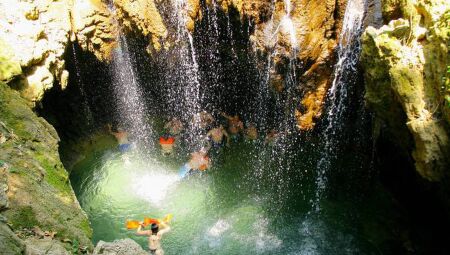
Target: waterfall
x,y
281,151
85,103
129,97
182,77
344,75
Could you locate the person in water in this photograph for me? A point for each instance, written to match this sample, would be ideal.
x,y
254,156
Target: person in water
x,y
235,124
167,144
251,132
154,236
121,137
174,126
272,137
199,161
204,119
216,136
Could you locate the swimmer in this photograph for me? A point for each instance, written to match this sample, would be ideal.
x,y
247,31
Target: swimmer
x,y
154,236
235,125
217,134
272,137
121,137
167,144
174,126
204,119
199,161
251,132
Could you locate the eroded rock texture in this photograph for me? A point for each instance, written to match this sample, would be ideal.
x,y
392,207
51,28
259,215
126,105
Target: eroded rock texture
x,y
143,16
38,33
307,32
36,184
407,82
94,27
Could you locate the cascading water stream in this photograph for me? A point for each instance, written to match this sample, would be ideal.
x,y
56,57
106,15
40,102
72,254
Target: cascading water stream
x,y
281,150
85,102
129,97
344,74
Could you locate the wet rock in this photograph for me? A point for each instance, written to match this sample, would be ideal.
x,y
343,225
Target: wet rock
x,y
35,246
119,247
304,31
407,82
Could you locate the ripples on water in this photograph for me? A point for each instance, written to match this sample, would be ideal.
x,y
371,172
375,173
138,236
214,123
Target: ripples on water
x,y
222,211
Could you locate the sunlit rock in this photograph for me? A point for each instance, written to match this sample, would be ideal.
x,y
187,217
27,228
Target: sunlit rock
x,y
9,65
407,83
38,32
94,27
143,16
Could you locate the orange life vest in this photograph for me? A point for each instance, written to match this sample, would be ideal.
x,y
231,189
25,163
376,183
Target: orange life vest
x,y
169,140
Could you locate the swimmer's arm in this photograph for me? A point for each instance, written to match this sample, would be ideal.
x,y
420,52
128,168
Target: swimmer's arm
x,y
142,232
165,228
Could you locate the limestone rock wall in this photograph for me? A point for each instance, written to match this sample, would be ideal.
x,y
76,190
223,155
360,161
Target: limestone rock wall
x,y
38,32
407,81
143,16
94,27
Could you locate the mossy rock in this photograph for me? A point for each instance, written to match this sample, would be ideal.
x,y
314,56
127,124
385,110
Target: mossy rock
x,y
39,188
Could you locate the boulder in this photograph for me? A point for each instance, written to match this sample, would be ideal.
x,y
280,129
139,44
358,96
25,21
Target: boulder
x,y
119,247
35,246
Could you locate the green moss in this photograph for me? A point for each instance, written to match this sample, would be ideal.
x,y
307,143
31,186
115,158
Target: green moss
x,y
23,217
85,226
55,174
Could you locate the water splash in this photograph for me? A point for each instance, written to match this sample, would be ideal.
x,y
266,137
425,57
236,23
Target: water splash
x,y
344,75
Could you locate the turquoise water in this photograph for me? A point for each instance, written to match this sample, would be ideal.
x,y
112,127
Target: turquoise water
x,y
256,199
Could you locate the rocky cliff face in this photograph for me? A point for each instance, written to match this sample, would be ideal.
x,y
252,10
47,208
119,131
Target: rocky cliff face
x,y
35,189
302,30
34,36
407,80
38,33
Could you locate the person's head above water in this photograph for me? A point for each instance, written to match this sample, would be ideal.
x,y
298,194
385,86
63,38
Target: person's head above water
x,y
154,228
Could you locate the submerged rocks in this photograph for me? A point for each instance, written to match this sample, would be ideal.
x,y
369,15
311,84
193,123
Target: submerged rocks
x,y
407,83
38,189
119,247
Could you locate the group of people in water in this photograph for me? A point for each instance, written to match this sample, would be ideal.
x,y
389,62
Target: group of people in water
x,y
216,136
215,133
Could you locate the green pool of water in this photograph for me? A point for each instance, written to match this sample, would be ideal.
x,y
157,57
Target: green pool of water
x,y
254,200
